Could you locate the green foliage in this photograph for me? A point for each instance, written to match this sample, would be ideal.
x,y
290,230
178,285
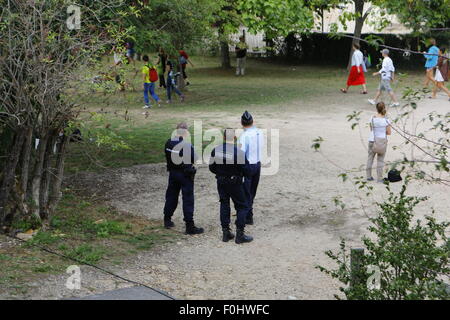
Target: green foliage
x,y
86,253
42,238
146,240
172,24
412,256
276,17
317,143
106,228
418,15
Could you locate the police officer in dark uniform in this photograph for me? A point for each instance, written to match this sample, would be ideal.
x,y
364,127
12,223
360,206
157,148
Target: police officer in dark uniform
x,y
229,165
180,157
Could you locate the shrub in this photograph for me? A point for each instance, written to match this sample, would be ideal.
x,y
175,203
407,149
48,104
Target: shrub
x,y
412,257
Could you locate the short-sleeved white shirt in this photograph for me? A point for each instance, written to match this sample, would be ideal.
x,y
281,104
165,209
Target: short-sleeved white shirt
x,y
387,69
379,126
252,142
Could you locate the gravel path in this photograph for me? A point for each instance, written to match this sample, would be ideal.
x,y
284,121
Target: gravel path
x,y
295,218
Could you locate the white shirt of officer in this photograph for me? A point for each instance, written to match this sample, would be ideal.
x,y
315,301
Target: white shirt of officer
x,y
251,143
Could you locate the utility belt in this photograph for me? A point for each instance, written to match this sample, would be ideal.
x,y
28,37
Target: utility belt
x,y
229,179
189,171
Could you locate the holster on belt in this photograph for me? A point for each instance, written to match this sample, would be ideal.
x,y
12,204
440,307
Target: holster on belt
x,y
229,179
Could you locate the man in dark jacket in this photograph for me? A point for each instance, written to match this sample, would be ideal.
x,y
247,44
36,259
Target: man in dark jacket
x,y
229,165
180,158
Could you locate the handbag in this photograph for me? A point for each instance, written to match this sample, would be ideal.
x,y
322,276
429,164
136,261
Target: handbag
x,y
379,144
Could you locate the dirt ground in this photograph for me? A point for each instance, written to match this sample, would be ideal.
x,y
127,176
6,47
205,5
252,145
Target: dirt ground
x,y
295,217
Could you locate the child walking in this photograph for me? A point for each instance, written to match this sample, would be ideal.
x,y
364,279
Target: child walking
x,y
387,75
171,85
149,85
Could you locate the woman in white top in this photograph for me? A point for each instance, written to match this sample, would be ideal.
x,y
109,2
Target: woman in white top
x,y
380,128
356,76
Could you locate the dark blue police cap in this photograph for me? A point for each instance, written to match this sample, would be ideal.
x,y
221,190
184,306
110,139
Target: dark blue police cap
x,y
246,118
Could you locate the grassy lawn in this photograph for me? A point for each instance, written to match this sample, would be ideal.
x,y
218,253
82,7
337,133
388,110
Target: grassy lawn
x,y
87,231
267,88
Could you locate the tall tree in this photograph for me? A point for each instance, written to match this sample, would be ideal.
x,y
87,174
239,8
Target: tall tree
x,y
42,46
227,21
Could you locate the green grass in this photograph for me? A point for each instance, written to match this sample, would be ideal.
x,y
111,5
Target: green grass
x,y
267,88
81,229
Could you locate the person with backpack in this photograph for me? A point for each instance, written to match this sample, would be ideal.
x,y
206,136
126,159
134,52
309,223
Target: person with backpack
x,y
380,128
184,60
171,83
150,76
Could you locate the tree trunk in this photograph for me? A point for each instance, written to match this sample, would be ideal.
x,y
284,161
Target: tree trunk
x,y
9,173
225,55
224,49
55,193
25,163
37,176
45,179
359,23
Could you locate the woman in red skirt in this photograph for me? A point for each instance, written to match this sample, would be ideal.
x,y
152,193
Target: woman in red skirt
x,y
356,76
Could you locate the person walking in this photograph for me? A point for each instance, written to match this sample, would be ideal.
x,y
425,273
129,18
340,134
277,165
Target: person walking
x,y
149,84
431,62
162,62
241,56
184,60
387,73
180,159
251,143
130,52
171,83
442,73
356,75
229,165
380,128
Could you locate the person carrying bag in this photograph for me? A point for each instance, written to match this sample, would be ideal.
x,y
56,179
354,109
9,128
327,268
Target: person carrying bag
x,y
380,128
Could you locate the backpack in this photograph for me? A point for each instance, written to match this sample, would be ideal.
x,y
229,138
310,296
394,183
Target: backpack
x,y
394,176
152,74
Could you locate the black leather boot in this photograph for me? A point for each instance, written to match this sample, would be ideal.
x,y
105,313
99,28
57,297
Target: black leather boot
x,y
168,223
192,229
241,237
227,234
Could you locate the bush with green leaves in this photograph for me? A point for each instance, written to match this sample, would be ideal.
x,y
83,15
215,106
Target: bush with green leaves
x,y
412,256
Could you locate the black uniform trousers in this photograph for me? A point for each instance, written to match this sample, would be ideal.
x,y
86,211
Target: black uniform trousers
x,y
178,180
251,182
234,191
